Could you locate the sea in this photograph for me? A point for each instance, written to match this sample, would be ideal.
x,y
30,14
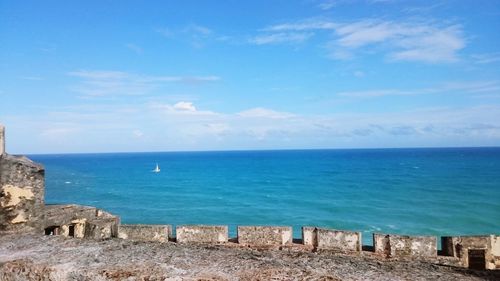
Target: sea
x,y
417,191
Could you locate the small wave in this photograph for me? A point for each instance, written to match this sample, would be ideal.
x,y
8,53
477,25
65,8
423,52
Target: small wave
x,y
67,182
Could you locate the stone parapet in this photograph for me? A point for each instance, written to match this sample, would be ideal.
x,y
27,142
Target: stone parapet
x,y
390,245
265,235
331,239
143,232
202,234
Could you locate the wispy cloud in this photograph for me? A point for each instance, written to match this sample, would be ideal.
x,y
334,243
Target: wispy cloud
x,y
260,112
401,41
304,25
182,125
328,4
471,87
195,34
282,37
197,29
486,58
138,50
96,83
32,78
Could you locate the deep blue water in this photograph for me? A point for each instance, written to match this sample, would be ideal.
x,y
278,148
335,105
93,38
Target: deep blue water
x,y
407,191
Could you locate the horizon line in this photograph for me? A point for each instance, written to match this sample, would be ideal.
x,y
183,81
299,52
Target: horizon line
x,y
258,150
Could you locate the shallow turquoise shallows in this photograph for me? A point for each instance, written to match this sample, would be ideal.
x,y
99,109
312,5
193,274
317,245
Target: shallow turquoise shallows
x,y
404,191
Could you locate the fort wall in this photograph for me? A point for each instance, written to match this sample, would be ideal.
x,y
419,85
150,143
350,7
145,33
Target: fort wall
x,y
22,209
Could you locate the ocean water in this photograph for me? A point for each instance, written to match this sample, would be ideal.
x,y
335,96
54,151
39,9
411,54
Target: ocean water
x,y
438,191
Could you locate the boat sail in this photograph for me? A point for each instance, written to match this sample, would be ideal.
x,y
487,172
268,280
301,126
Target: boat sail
x,y
157,169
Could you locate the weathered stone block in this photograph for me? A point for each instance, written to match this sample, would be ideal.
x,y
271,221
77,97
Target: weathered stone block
x,y
202,234
309,236
330,239
101,229
265,235
21,192
405,246
79,222
142,232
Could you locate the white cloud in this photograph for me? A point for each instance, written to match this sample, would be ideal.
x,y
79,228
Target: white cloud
x,y
138,133
185,106
428,42
282,37
304,25
101,128
260,112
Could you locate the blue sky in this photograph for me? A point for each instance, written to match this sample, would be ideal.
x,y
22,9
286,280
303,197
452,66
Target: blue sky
x,y
104,76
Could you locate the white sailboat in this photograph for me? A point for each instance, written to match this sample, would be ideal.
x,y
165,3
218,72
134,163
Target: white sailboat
x,y
157,169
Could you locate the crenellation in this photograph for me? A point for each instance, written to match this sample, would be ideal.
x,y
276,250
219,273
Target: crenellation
x,y
143,232
202,234
22,209
265,235
331,239
390,245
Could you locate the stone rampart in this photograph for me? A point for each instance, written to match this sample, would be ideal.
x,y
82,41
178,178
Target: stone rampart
x,y
202,234
265,235
390,245
22,209
331,239
143,232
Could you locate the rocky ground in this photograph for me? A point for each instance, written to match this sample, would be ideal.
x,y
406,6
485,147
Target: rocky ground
x,y
31,257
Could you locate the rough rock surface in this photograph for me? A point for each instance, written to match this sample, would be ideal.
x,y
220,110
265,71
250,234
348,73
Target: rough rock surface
x,y
35,257
21,192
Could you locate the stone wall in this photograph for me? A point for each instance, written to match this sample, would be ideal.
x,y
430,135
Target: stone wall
x,y
21,193
265,235
142,232
479,252
202,234
330,239
390,245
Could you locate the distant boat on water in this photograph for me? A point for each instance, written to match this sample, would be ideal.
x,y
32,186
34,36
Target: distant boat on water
x,y
157,169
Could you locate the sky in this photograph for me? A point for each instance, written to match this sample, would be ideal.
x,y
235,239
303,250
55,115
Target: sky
x,y
127,76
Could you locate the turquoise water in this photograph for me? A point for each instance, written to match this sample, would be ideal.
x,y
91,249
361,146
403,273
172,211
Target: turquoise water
x,y
406,191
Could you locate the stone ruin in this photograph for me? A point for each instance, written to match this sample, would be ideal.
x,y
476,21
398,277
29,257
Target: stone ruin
x,y
22,209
